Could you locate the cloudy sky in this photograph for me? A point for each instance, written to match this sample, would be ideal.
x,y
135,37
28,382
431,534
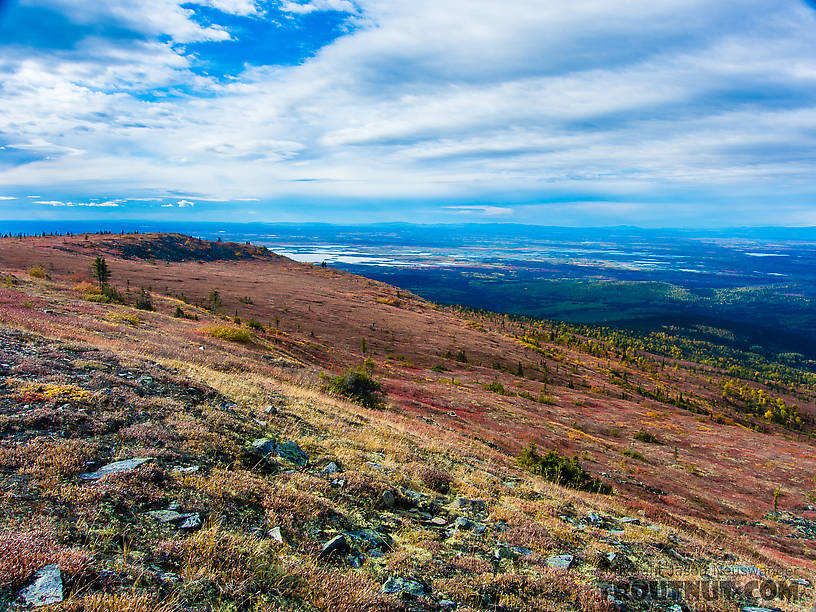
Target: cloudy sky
x,y
587,112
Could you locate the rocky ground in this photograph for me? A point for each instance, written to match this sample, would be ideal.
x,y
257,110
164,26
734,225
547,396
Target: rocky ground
x,y
147,467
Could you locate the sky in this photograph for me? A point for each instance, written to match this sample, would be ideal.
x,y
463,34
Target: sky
x,y
661,113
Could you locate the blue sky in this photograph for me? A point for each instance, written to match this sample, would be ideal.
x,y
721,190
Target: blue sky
x,y
654,113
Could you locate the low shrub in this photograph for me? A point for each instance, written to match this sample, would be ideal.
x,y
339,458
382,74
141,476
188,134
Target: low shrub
x,y
633,454
562,471
645,436
143,301
358,386
38,271
228,332
496,387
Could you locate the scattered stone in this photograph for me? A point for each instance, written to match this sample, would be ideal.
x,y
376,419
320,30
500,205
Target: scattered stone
x,y
367,539
190,521
474,505
265,446
759,609
174,505
387,499
165,516
561,561
403,586
331,469
115,468
276,535
628,520
271,410
292,453
336,544
168,577
46,588
464,524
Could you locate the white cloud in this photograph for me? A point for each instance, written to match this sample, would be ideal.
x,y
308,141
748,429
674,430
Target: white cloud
x,y
184,204
464,100
7,198
311,6
59,203
167,205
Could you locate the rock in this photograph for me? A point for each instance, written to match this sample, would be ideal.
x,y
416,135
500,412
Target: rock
x,y
759,609
292,453
115,468
265,446
335,545
190,521
271,410
561,561
474,505
168,577
366,539
331,469
46,588
628,520
165,516
174,505
522,551
387,499
276,535
504,552
403,586
192,469
464,524
446,604
594,518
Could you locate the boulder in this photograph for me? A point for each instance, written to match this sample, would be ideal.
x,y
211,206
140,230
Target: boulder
x,y
276,535
292,453
115,468
190,521
336,545
387,499
561,561
46,588
331,469
474,505
403,586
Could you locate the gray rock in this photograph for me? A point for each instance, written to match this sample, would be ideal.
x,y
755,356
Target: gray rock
x,y
292,453
265,446
464,524
403,586
474,505
191,469
628,520
561,561
387,499
335,545
331,469
276,535
504,552
46,588
165,516
522,551
115,468
366,539
759,609
190,521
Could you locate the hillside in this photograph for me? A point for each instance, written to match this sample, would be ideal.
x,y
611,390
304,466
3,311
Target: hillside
x,y
256,488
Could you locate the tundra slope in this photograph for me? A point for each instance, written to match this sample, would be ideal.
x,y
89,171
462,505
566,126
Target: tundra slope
x,y
428,498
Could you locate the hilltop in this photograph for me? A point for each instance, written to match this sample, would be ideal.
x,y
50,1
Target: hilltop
x,y
258,486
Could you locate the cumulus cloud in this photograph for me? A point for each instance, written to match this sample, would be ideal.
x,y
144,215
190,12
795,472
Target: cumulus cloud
x,y
184,204
435,100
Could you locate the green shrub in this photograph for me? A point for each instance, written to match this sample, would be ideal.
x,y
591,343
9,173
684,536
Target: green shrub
x,y
254,324
358,386
38,271
439,368
227,332
556,468
180,314
496,387
645,436
143,301
633,454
